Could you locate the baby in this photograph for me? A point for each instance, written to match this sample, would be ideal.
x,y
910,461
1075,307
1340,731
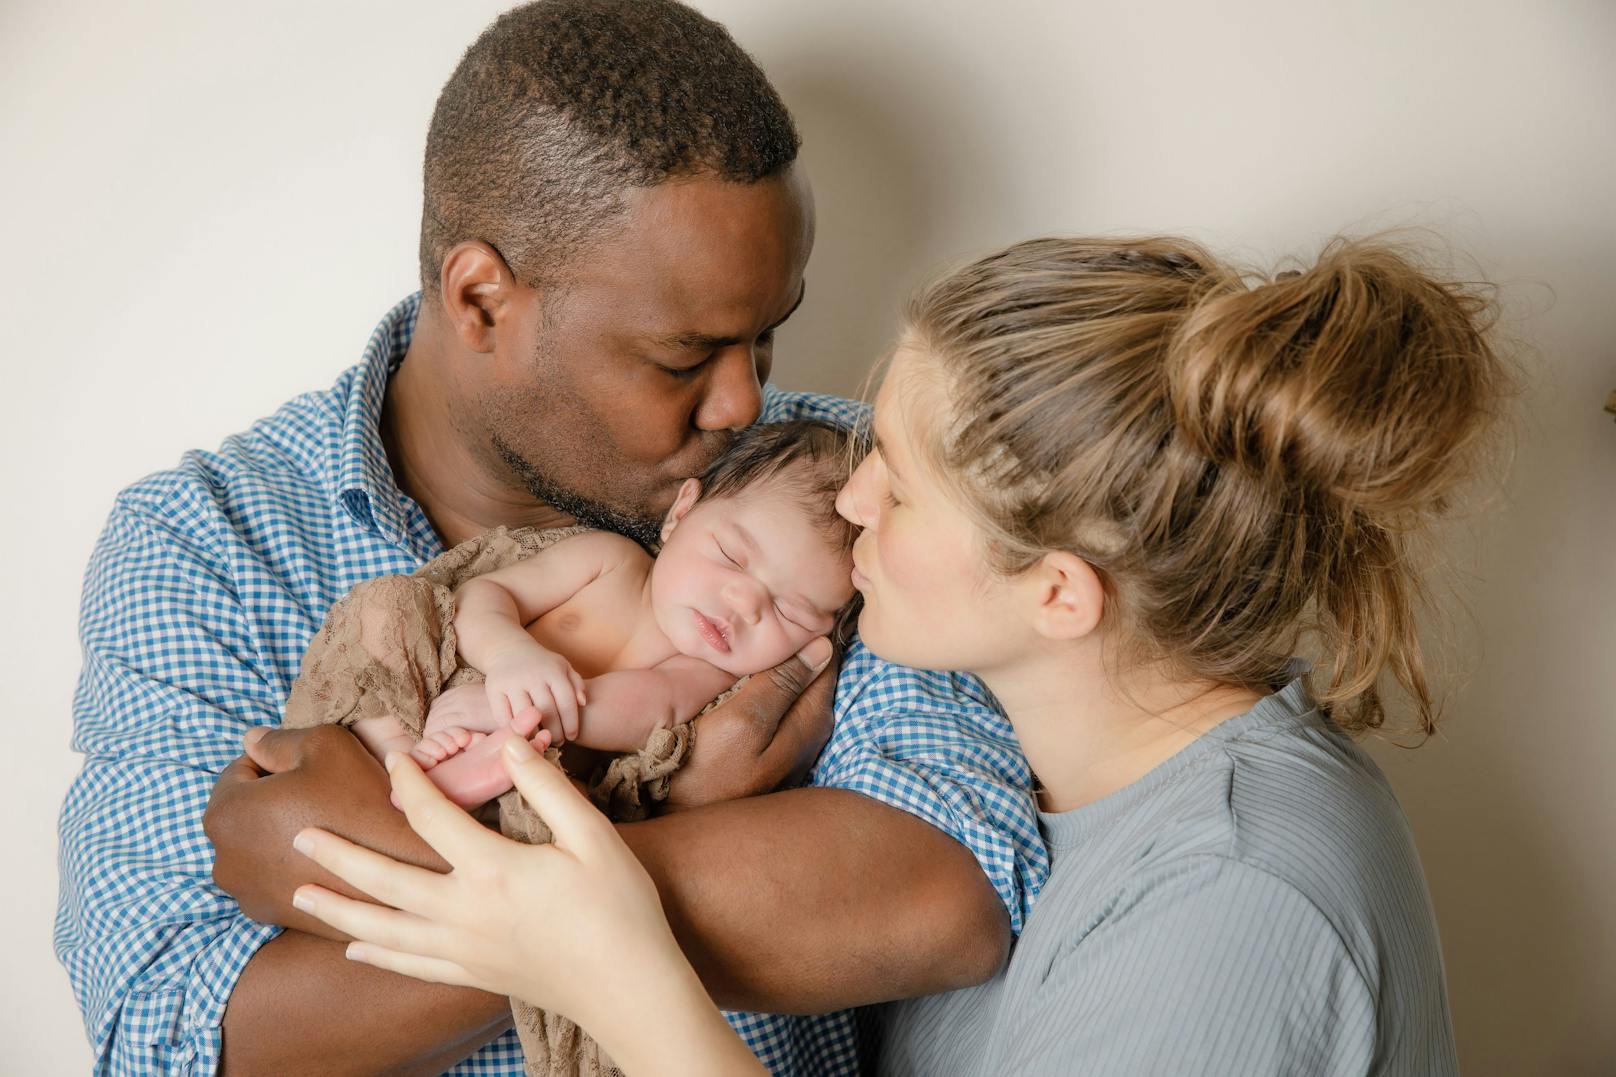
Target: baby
x,y
597,643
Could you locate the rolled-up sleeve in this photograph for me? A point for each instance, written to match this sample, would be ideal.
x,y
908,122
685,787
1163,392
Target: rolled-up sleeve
x,y
935,745
152,947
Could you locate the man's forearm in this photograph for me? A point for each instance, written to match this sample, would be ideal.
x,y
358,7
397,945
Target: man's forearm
x,y
300,1006
815,900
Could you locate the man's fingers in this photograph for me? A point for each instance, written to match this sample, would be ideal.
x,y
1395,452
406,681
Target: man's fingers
x,y
804,730
441,824
239,770
766,699
795,674
575,822
274,750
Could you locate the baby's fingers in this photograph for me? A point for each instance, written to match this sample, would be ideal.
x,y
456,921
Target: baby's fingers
x,y
566,700
499,704
578,686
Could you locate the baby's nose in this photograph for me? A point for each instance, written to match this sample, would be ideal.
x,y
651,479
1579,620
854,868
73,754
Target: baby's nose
x,y
748,599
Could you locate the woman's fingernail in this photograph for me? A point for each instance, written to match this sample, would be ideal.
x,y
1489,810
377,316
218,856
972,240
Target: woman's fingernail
x,y
302,843
391,762
255,734
301,900
816,654
354,952
519,749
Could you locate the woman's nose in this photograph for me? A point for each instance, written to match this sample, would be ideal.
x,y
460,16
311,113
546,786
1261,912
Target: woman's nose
x,y
853,500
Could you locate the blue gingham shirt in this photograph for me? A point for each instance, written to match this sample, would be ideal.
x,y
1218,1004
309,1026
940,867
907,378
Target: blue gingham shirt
x,y
203,592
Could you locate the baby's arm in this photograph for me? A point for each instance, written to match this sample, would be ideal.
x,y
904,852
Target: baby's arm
x,y
625,706
493,612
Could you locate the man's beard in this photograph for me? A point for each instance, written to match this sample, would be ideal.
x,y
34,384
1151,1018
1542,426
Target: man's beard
x,y
645,530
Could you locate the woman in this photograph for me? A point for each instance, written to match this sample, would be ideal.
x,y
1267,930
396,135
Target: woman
x,y
1123,484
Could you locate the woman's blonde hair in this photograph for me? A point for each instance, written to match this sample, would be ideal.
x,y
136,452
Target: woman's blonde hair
x,y
1245,461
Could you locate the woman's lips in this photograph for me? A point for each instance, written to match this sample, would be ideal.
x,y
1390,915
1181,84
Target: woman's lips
x,y
710,633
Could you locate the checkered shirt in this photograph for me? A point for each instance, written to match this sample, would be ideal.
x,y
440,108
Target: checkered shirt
x,y
203,592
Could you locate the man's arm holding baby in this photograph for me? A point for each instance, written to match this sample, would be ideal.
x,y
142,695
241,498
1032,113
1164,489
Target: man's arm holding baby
x,y
863,901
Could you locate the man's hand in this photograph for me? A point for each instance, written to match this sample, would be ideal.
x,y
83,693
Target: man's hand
x,y
766,735
288,780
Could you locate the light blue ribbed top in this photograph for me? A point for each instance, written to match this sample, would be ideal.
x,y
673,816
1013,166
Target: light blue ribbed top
x,y
1253,905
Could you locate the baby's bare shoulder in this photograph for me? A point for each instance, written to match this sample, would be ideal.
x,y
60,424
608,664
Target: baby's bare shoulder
x,y
615,552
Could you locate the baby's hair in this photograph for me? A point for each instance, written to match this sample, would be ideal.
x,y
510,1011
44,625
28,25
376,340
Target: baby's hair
x,y
1245,460
813,457
813,460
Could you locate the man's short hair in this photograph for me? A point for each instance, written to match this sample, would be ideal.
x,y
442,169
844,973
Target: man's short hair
x,y
562,105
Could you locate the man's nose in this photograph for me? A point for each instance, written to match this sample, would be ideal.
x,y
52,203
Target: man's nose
x,y
734,397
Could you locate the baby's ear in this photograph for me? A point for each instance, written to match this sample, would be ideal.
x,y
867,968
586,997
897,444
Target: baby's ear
x,y
689,491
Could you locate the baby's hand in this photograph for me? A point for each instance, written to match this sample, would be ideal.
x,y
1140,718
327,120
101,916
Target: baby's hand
x,y
534,677
465,707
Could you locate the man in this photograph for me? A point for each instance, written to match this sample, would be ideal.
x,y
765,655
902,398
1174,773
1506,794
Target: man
x,y
613,229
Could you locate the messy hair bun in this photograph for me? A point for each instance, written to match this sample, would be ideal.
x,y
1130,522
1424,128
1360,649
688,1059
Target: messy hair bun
x,y
1246,460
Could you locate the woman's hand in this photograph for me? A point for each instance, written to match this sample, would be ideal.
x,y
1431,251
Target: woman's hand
x,y
575,927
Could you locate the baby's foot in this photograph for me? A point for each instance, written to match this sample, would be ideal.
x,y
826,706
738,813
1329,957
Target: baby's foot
x,y
477,774
438,745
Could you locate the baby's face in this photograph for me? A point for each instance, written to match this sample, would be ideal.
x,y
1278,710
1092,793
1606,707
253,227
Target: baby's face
x,y
745,581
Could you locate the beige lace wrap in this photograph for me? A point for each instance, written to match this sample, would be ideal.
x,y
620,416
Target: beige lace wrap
x,y
388,649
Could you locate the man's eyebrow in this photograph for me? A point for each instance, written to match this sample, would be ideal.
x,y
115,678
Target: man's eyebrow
x,y
705,342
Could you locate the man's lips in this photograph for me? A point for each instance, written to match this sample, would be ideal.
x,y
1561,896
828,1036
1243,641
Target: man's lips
x,y
711,633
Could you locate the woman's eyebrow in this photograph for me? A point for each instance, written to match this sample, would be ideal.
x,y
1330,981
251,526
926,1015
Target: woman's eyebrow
x,y
886,457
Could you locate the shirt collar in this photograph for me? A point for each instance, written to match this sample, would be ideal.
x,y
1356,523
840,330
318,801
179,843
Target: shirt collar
x,y
365,487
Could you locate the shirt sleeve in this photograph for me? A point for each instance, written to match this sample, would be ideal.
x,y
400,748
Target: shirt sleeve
x,y
1215,968
783,405
936,746
152,947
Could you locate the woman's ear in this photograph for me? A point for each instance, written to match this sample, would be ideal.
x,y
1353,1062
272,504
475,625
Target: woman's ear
x,y
689,491
1067,596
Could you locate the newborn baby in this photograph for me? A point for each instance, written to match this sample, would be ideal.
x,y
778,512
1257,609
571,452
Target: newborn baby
x,y
599,644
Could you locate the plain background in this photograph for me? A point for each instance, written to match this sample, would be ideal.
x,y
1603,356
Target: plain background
x,y
207,206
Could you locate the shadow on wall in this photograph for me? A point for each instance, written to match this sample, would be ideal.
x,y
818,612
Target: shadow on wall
x,y
892,191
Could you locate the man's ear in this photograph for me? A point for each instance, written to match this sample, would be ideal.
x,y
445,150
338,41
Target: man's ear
x,y
689,491
478,290
1066,598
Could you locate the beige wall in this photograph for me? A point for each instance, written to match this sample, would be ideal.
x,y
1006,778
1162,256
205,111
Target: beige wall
x,y
207,209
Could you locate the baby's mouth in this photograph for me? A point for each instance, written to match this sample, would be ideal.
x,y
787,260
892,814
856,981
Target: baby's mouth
x,y
711,633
